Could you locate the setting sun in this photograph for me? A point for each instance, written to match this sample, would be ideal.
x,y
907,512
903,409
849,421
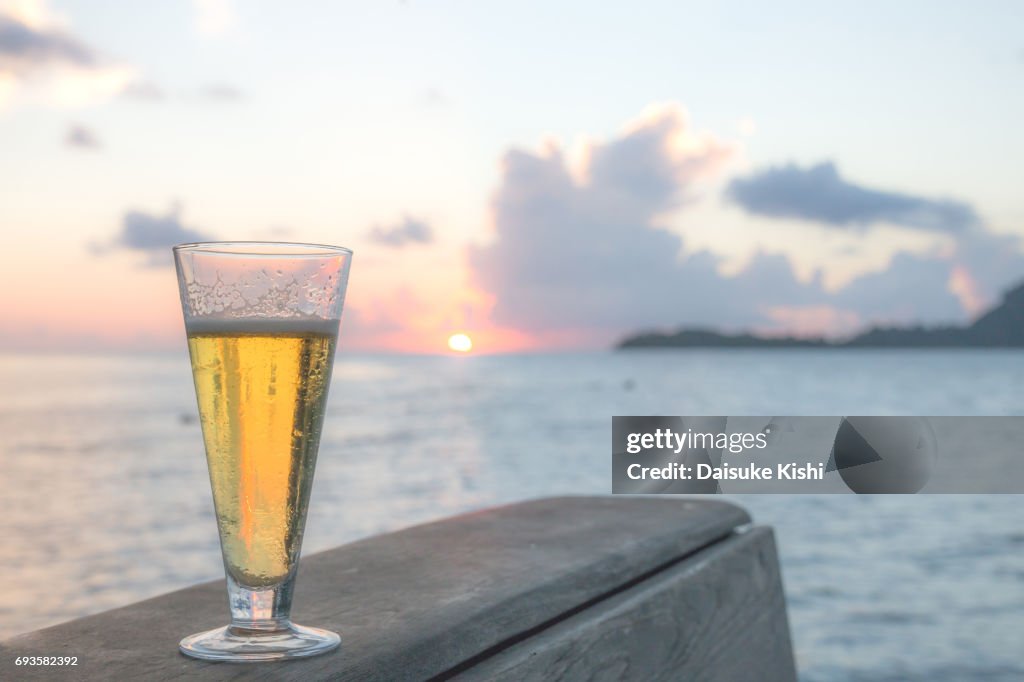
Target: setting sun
x,y
460,343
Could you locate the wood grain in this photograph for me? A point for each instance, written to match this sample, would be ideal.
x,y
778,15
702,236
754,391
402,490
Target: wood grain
x,y
409,605
718,616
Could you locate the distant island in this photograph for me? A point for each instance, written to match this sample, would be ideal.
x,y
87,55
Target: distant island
x,y
1000,327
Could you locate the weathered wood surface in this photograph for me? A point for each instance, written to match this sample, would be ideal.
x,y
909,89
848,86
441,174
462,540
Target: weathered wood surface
x,y
718,615
418,603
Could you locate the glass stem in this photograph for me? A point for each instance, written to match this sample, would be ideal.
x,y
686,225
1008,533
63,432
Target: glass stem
x,y
266,609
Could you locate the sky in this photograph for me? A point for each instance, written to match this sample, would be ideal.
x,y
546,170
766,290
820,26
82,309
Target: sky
x,y
540,176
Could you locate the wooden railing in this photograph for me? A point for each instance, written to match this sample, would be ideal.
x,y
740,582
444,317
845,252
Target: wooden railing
x,y
586,588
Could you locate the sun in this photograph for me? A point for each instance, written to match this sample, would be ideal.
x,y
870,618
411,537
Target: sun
x,y
460,343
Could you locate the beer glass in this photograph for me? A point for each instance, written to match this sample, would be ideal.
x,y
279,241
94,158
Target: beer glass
x,y
262,324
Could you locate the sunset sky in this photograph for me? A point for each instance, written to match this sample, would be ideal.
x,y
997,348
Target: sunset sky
x,y
536,175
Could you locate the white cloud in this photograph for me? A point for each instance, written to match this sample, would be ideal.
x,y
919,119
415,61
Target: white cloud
x,y
152,234
82,137
819,193
42,62
408,230
584,251
214,17
32,13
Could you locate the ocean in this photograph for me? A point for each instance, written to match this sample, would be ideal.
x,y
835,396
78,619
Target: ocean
x,y
105,498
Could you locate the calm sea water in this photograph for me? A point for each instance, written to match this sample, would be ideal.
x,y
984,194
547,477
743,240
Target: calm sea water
x,y
105,498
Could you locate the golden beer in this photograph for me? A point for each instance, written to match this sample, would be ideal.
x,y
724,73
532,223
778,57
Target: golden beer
x,y
261,394
262,324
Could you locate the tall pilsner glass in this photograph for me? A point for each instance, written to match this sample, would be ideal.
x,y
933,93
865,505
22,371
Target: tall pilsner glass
x,y
262,323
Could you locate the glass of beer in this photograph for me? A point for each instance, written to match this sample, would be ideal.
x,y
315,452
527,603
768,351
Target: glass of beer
x,y
262,324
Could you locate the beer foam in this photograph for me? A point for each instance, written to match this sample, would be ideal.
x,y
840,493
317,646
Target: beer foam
x,y
261,325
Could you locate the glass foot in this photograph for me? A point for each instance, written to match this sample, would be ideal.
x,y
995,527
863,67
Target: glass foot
x,y
233,643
